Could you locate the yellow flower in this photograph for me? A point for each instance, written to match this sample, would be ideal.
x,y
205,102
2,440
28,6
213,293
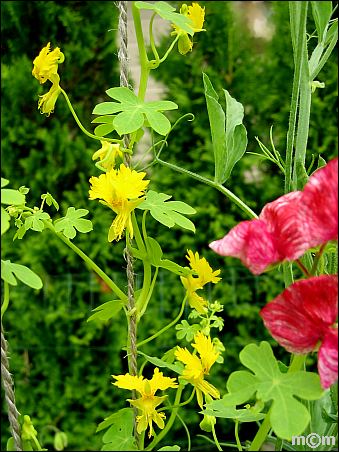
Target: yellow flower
x,y
192,284
47,102
108,154
148,402
45,67
122,191
197,367
197,16
46,64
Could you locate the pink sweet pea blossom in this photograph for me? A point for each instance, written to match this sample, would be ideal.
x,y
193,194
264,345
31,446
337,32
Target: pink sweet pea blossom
x,y
288,226
303,316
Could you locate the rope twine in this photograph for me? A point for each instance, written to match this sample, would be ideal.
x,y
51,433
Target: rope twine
x,y
8,385
132,323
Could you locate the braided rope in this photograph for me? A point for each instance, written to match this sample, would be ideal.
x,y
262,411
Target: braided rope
x,y
8,385
132,323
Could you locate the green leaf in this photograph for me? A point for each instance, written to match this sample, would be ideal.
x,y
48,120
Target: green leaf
x,y
4,182
24,274
106,108
217,121
187,331
103,130
123,95
161,363
173,267
166,11
134,112
50,200
322,12
12,197
5,220
236,135
154,251
158,122
35,221
60,440
218,409
72,222
169,448
119,435
167,212
106,119
129,121
229,136
106,310
289,416
10,442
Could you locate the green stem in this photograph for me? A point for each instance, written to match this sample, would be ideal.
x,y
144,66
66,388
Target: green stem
x,y
142,307
180,404
77,120
244,207
303,268
5,303
297,34
165,328
170,422
236,434
317,258
111,284
325,56
151,37
298,363
216,439
144,63
169,49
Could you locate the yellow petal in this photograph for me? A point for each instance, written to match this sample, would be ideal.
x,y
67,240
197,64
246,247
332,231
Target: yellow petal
x,y
206,350
197,16
158,381
128,381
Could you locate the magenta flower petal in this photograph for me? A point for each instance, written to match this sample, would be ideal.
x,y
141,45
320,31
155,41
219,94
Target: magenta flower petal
x,y
280,217
328,358
302,314
251,242
319,208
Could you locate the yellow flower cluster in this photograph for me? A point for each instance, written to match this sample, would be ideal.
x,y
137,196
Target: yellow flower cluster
x,y
45,67
192,283
197,15
197,367
122,191
148,402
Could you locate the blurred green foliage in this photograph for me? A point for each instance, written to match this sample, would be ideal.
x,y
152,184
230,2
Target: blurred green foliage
x,y
61,364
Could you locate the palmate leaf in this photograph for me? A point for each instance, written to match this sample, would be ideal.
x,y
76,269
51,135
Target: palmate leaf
x,y
229,136
218,409
72,222
166,11
36,221
133,113
10,271
167,212
119,435
5,220
289,417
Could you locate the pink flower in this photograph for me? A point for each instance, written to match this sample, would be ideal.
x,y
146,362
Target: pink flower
x,y
288,226
303,316
319,207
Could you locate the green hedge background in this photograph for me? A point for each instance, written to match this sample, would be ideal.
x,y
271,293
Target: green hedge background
x,y
61,364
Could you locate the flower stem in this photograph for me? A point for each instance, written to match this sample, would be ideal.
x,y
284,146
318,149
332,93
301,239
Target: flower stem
x,y
165,328
303,268
216,439
77,120
111,284
144,66
317,258
244,207
170,422
236,434
5,303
